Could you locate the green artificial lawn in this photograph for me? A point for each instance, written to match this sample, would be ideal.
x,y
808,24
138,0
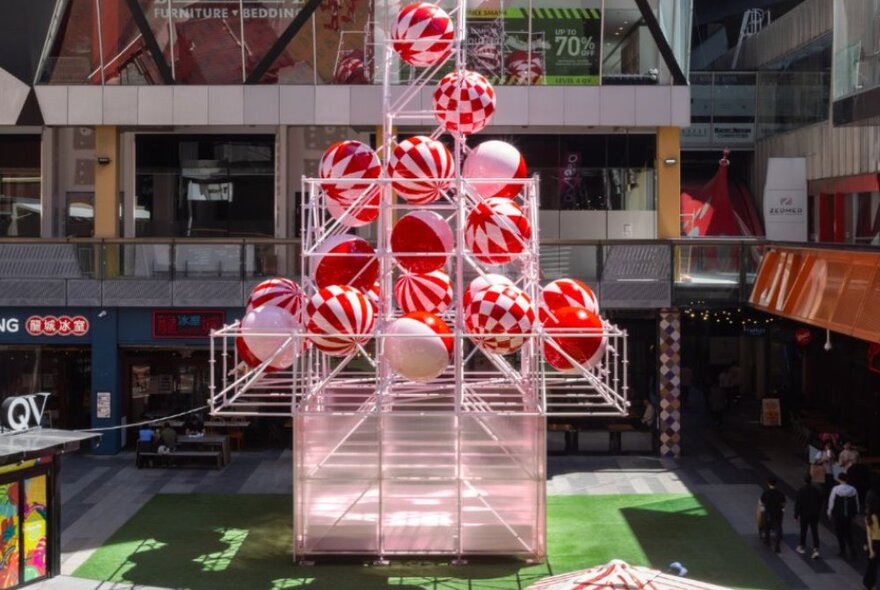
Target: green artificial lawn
x,y
242,542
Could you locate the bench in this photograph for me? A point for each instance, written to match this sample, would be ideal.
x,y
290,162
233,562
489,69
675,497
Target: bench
x,y
178,457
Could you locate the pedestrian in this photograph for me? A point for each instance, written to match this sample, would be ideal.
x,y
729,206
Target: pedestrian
x,y
773,505
872,531
848,457
827,458
649,416
807,510
843,505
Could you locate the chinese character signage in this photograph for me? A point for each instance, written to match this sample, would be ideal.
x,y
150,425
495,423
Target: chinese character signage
x,y
50,325
186,323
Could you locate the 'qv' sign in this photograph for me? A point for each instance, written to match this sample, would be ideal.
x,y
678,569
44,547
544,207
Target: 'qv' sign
x,y
23,412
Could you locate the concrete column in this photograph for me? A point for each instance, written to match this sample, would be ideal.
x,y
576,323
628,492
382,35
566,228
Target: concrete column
x,y
106,182
105,378
668,182
670,383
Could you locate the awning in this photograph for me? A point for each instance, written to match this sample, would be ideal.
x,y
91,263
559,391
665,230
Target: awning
x,y
838,290
619,575
21,446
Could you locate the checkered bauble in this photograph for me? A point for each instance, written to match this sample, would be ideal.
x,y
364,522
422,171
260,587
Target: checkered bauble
x,y
499,318
430,292
349,160
422,34
497,230
340,318
564,293
464,103
416,164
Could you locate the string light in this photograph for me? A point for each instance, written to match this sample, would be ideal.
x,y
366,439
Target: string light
x,y
729,317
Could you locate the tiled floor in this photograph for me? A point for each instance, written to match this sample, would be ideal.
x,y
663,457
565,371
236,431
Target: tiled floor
x,y
726,467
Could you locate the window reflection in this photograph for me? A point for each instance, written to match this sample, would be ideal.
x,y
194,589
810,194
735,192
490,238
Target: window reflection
x,y
20,208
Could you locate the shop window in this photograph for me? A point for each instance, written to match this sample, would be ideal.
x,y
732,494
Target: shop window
x,y
867,224
20,206
630,54
205,186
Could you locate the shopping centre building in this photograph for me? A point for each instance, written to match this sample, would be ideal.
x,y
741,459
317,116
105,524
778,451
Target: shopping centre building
x,y
151,156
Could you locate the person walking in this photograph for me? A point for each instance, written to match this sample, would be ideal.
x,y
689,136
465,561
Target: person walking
x,y
848,457
843,505
807,510
827,458
872,531
773,506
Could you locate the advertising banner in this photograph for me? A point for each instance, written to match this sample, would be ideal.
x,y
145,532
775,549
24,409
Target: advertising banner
x,y
785,200
564,48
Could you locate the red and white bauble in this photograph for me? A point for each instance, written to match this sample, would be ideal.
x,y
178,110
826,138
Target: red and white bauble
x,y
578,332
349,160
497,230
372,295
495,159
431,292
566,293
422,34
417,346
522,69
351,69
421,241
345,260
268,332
464,103
483,282
415,165
277,292
499,319
358,213
340,318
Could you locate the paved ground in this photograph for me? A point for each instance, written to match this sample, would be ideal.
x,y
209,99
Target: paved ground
x,y
727,467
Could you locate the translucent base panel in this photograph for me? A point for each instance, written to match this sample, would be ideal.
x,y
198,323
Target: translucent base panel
x,y
437,483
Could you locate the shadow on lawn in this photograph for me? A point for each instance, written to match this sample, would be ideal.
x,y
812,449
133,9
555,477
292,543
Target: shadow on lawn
x,y
206,544
690,531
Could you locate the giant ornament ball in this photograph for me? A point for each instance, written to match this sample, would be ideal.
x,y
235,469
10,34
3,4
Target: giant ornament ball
x,y
418,346
340,318
464,103
277,292
421,241
422,34
523,69
345,260
431,292
497,230
349,160
578,332
483,282
499,319
495,159
417,166
351,69
266,330
566,293
357,213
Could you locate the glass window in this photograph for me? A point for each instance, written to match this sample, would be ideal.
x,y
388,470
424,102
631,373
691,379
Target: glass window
x,y
205,185
630,54
20,207
867,211
856,47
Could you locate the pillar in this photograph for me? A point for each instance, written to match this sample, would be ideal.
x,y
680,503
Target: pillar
x,y
670,383
106,182
668,182
105,379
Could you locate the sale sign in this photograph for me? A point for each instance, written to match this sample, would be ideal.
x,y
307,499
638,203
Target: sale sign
x,y
564,48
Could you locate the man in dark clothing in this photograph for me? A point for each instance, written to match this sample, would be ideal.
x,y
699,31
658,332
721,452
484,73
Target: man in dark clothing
x,y
168,437
843,505
773,504
807,510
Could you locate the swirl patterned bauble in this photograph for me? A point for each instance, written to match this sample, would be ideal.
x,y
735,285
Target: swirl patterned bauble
x,y
499,319
372,295
416,165
349,160
431,292
345,260
418,346
340,318
351,69
464,103
497,230
422,34
358,213
277,292
495,159
421,241
578,332
566,293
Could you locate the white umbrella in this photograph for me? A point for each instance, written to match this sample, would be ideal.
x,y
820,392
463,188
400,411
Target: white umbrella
x,y
619,575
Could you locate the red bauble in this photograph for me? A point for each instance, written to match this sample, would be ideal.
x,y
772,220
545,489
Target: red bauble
x,y
421,232
578,332
345,260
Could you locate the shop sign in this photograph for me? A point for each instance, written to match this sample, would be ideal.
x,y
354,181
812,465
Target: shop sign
x,y
249,9
50,325
23,412
186,324
733,133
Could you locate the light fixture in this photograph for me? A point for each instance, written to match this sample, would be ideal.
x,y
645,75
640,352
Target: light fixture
x,y
827,340
670,161
104,160
102,313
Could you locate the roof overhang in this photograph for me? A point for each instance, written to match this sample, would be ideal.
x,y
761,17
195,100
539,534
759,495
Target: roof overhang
x,y
16,447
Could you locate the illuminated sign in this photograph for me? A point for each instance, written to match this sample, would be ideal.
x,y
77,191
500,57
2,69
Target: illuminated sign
x,y
175,323
50,325
187,10
23,412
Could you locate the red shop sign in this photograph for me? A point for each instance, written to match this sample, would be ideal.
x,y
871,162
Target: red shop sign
x,y
186,323
50,325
